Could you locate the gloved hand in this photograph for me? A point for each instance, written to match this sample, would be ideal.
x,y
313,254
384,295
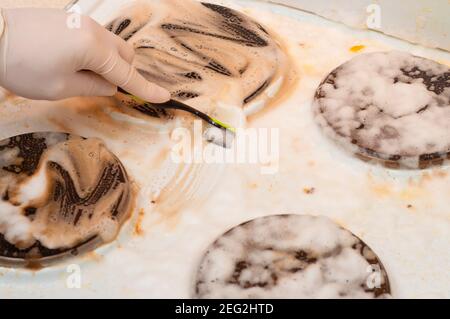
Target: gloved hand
x,y
41,57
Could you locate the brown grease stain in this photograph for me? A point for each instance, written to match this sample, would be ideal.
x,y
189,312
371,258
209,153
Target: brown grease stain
x,y
309,190
34,265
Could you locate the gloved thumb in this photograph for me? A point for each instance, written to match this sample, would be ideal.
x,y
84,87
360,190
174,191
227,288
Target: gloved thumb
x,y
85,83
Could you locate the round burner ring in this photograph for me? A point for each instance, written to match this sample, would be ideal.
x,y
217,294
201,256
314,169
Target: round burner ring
x,y
85,198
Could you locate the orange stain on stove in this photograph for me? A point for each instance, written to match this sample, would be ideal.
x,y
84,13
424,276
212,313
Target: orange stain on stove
x,y
381,189
8,96
407,192
357,48
60,125
411,193
309,190
309,69
138,230
253,185
296,144
93,256
427,177
440,173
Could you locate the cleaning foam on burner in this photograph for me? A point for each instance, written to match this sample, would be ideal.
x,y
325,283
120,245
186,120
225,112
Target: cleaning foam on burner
x,y
389,105
200,49
15,227
60,191
290,256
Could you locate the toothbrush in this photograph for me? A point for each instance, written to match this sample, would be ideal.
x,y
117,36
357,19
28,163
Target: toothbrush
x,y
172,104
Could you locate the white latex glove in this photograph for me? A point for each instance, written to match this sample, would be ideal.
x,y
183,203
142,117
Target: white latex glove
x,y
41,57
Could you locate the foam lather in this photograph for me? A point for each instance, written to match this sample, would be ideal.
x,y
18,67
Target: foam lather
x,y
290,256
59,191
199,49
392,107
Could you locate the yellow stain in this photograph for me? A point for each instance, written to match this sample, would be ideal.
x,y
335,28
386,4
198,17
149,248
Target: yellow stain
x,y
411,193
308,69
357,48
382,190
379,188
253,185
138,229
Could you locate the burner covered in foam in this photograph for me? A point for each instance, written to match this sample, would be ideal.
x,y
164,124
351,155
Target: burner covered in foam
x,y
392,107
199,49
60,195
290,256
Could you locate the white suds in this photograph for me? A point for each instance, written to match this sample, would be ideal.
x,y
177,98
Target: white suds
x,y
288,256
390,103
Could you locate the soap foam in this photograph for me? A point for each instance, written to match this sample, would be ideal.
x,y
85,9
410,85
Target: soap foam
x,y
199,49
60,191
290,256
393,106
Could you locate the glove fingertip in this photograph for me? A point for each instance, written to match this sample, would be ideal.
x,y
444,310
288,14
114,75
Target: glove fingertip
x,y
105,90
157,94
